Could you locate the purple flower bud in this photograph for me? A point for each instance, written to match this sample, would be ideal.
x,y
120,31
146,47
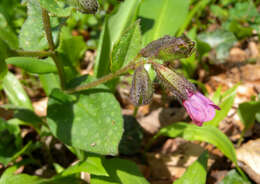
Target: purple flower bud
x,y
200,108
142,90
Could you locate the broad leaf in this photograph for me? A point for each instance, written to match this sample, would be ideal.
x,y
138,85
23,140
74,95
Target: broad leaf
x,y
15,92
7,34
127,48
33,65
90,120
165,18
32,35
195,172
247,112
67,42
92,165
112,30
49,82
206,133
53,7
220,40
120,171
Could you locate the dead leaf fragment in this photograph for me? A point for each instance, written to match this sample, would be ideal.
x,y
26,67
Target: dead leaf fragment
x,y
249,156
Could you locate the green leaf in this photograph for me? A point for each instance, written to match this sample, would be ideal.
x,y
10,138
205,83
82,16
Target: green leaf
x,y
120,171
76,42
195,12
28,117
3,70
225,106
32,36
127,48
247,113
206,133
11,178
7,34
90,120
92,165
10,141
33,65
53,7
113,28
221,40
233,178
132,138
49,82
195,172
15,92
166,17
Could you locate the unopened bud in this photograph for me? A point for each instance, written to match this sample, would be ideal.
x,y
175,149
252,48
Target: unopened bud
x,y
169,48
177,84
85,6
141,91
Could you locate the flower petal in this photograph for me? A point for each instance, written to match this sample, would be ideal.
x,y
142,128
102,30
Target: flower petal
x,y
200,108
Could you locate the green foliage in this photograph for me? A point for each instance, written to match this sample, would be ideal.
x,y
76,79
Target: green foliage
x,y
226,101
54,8
221,40
7,34
90,122
67,42
113,28
32,36
11,142
205,133
132,137
234,178
16,95
11,178
73,118
195,172
127,48
247,112
120,171
165,18
33,65
49,82
92,165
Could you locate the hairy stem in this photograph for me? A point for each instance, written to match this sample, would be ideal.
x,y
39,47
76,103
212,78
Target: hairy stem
x,y
58,63
108,77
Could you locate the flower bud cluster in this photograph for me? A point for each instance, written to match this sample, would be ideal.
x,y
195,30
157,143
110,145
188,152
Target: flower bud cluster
x,y
199,108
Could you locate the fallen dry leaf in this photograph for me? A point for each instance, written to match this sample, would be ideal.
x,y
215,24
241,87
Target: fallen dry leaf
x,y
173,165
40,107
249,157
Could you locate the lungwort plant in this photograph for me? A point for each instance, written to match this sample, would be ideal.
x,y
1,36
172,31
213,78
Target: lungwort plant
x,y
82,111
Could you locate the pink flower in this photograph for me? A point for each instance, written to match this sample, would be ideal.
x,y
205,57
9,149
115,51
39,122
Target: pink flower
x,y
199,108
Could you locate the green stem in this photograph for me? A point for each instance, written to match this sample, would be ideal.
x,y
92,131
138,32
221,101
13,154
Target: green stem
x,y
135,111
33,53
58,63
107,77
241,138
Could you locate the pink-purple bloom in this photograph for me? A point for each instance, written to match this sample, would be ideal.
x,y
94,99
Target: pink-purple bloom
x,y
199,108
